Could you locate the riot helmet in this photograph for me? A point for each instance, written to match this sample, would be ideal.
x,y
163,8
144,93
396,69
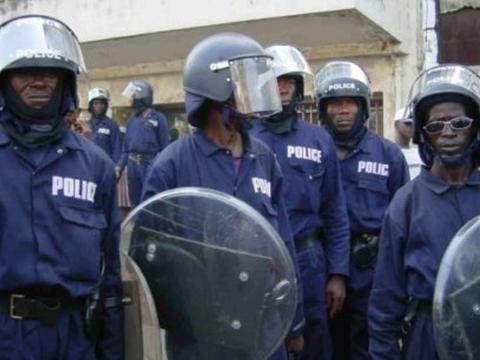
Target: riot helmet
x,y
38,41
443,83
338,80
141,93
98,93
288,61
229,65
342,79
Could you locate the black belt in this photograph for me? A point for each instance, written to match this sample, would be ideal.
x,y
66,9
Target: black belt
x,y
46,308
308,240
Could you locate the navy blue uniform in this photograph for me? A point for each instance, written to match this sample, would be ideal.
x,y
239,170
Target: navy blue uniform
x,y
195,160
421,221
371,175
315,203
146,136
58,216
106,134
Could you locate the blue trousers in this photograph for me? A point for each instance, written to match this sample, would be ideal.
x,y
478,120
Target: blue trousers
x,y
350,328
136,175
313,271
420,343
32,340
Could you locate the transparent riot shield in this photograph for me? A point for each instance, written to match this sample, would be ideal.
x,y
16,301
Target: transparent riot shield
x,y
221,278
456,307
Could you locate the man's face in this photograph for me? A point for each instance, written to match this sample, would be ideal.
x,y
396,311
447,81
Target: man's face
x,y
35,86
405,128
99,106
449,141
342,112
287,87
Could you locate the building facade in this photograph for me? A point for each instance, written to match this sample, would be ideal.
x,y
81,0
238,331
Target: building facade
x,y
149,40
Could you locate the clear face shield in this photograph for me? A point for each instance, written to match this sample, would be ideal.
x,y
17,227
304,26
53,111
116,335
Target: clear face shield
x,y
340,70
130,91
39,41
446,75
255,87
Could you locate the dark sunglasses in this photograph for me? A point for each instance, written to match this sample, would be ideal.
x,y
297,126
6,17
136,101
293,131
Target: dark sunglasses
x,y
456,124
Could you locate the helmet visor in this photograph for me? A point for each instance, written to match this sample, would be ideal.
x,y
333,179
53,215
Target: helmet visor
x,y
340,70
449,75
39,41
255,86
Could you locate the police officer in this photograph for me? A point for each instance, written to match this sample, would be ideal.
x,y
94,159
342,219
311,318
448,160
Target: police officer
x,y
146,136
59,216
314,199
425,215
372,170
220,154
105,131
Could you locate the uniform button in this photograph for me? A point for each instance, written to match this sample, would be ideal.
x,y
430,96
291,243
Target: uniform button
x,y
15,147
227,152
310,177
60,151
252,156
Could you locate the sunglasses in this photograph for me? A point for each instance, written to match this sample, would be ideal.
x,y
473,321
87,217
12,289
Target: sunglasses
x,y
456,124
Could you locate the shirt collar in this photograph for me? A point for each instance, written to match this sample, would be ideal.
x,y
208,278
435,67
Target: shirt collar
x,y
440,186
208,147
69,140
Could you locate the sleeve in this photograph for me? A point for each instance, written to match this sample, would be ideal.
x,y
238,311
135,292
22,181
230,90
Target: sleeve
x,y
286,234
163,136
333,211
116,144
399,174
160,177
388,298
122,161
112,344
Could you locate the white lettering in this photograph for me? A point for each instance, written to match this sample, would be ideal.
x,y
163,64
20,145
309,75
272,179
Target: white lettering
x,y
57,184
341,86
262,186
304,153
372,167
73,188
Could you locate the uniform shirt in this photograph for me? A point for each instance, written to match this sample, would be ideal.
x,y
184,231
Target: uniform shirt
x,y
371,175
145,135
194,160
106,134
58,214
420,223
313,190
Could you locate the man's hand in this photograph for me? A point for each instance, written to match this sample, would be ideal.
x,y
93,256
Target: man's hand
x,y
336,292
295,345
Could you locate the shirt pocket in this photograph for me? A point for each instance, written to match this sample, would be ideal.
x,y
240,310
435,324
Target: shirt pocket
x,y
374,196
304,184
82,231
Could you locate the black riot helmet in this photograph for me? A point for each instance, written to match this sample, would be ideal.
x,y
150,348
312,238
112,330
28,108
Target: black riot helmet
x,y
443,83
439,82
38,41
229,65
288,61
342,79
141,92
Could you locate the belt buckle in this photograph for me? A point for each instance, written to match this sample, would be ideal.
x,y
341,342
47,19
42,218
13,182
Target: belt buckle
x,y
13,298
